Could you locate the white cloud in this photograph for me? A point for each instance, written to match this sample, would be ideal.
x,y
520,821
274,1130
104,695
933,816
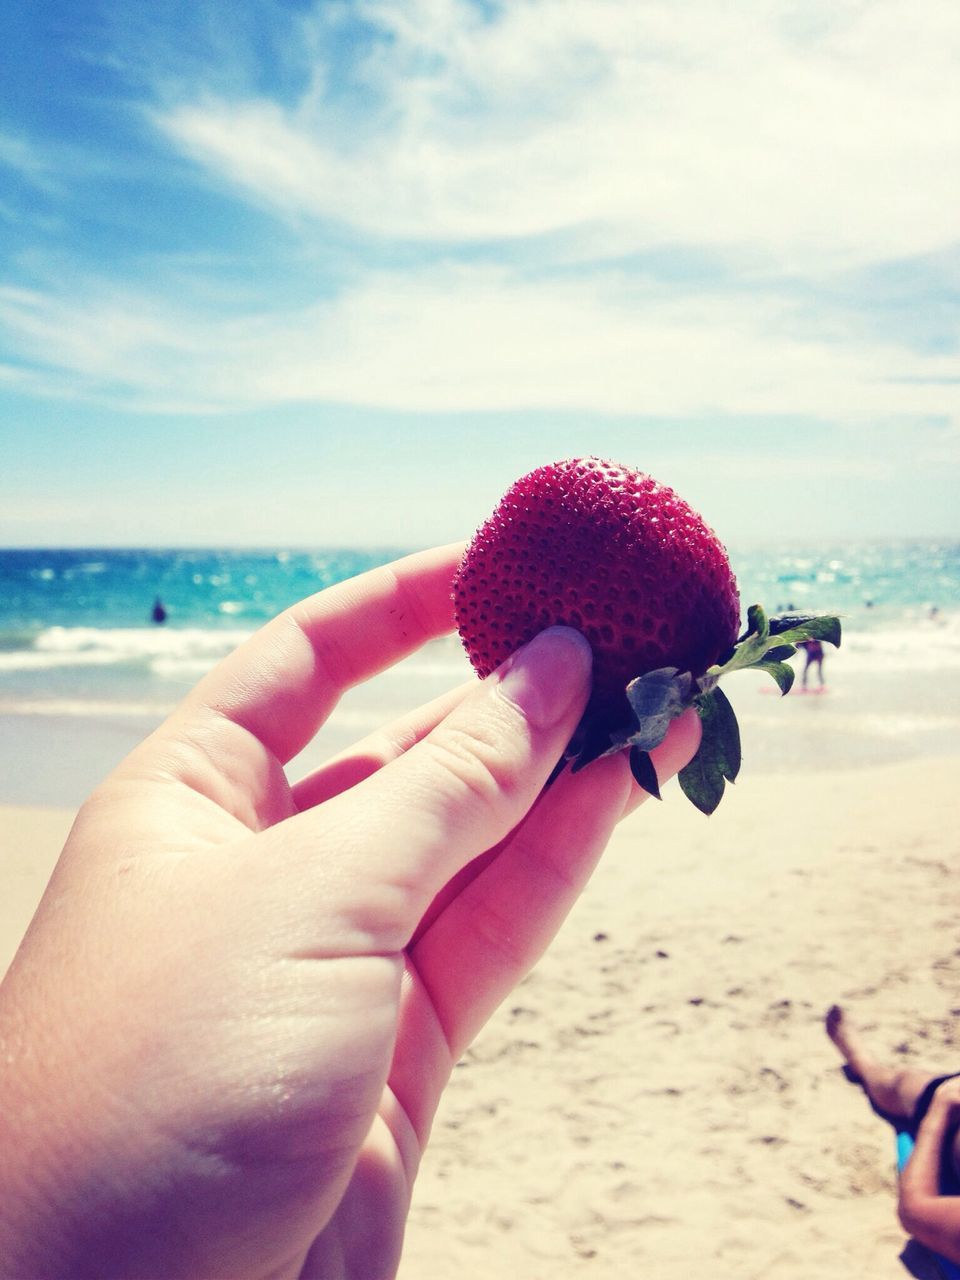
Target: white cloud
x,y
810,133
456,339
799,138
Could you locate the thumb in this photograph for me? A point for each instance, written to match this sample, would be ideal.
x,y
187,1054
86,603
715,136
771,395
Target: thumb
x,y
476,775
457,792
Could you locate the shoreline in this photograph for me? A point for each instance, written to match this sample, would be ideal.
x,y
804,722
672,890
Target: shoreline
x,y
55,759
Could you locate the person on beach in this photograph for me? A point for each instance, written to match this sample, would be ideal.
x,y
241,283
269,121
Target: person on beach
x,y
225,1035
928,1106
813,657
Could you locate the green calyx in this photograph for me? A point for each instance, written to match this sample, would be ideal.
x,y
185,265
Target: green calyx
x,y
658,697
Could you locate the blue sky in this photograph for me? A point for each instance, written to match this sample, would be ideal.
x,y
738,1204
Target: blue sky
x,y
288,272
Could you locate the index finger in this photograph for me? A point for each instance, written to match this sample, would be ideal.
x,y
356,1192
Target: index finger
x,y
284,681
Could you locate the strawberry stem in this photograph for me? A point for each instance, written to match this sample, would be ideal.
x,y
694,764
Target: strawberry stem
x,y
658,697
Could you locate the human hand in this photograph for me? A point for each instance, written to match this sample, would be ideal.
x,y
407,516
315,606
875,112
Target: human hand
x,y
226,1033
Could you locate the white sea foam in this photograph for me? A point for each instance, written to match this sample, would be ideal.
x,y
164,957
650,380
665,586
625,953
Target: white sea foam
x,y
90,708
923,644
143,670
164,651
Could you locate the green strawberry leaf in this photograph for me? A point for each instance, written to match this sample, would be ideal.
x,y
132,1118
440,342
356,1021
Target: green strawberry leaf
x,y
718,758
793,628
655,699
645,775
757,624
779,652
754,648
781,672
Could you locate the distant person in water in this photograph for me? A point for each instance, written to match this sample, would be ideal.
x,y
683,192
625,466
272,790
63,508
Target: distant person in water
x,y
159,612
927,1106
813,652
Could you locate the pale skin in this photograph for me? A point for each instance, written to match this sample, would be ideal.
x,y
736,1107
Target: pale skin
x,y
227,1031
929,1216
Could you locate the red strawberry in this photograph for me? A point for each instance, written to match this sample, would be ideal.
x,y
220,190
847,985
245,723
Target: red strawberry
x,y
600,547
596,546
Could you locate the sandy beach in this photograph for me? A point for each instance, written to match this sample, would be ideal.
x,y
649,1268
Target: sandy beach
x,y
659,1097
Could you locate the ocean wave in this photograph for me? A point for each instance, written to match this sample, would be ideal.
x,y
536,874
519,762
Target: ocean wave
x,y
122,663
923,644
165,652
86,708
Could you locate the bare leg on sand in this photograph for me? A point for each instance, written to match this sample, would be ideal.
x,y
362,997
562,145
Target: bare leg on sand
x,y
893,1090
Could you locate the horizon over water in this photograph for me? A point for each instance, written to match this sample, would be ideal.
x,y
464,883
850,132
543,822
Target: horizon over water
x,y
85,674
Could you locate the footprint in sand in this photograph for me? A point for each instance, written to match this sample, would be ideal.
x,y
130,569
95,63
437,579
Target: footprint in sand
x,y
522,1014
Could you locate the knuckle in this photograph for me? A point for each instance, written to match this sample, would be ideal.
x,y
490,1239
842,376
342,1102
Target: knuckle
x,y
474,761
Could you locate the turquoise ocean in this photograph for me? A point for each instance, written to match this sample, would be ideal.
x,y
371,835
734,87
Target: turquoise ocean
x,y
85,672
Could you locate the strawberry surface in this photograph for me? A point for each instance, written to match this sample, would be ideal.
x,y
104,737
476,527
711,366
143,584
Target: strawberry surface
x,y
598,546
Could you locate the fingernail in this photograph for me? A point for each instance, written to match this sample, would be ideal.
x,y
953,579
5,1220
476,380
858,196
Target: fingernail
x,y
547,676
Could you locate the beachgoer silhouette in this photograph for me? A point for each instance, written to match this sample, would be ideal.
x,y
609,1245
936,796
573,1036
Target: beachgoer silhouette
x,y
159,612
813,652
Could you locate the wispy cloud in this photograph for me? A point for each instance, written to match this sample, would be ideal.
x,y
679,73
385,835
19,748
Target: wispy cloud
x,y
21,155
817,134
472,338
616,207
